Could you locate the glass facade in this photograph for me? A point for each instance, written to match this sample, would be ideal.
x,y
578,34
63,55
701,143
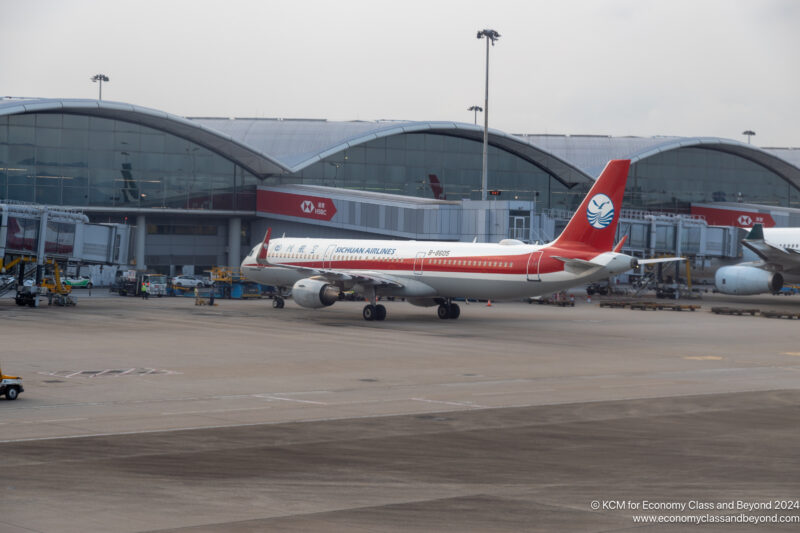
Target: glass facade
x,y
73,160
672,180
435,166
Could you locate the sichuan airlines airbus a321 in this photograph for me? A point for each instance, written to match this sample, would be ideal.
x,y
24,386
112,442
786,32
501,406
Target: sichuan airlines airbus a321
x,y
428,273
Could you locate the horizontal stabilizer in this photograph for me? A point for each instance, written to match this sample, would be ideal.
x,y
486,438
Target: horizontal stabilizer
x,y
576,265
656,260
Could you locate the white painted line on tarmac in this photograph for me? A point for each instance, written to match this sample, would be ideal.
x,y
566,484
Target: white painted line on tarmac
x,y
54,420
507,393
209,411
274,397
460,404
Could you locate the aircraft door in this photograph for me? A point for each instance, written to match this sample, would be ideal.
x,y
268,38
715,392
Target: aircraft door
x,y
533,266
326,259
418,263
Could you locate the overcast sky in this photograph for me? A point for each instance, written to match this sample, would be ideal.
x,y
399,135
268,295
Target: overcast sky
x,y
610,67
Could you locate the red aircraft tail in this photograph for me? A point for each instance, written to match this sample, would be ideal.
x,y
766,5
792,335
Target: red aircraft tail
x,y
594,224
437,187
262,253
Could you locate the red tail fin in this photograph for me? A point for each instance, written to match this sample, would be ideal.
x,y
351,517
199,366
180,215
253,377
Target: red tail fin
x,y
436,187
262,254
594,224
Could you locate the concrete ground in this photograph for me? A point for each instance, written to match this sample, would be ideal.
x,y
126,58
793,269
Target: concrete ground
x,y
161,415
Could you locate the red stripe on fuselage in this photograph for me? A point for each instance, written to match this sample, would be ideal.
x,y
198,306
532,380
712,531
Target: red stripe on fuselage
x,y
500,264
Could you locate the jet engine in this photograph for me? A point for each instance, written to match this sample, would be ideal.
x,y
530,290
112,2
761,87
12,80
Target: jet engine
x,y
314,293
739,279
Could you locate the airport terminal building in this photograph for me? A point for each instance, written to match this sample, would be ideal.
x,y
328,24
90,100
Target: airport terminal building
x,y
201,191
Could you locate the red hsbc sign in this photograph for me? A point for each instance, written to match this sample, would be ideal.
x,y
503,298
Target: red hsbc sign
x,y
295,205
731,217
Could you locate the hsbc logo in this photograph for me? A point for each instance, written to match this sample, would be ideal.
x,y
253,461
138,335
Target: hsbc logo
x,y
295,205
744,220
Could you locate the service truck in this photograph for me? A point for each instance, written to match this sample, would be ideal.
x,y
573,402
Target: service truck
x,y
10,386
130,283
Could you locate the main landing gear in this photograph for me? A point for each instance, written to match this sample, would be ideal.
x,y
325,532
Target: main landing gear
x,y
448,310
277,302
374,312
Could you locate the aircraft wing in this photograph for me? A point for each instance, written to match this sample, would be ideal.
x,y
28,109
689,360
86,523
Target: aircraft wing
x,y
339,276
788,258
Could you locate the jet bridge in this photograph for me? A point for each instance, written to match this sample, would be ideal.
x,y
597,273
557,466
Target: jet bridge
x,y
39,241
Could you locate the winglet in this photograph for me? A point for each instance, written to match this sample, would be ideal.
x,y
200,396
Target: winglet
x,y
620,244
262,254
756,234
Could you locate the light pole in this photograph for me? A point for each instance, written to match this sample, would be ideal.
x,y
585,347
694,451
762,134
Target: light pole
x,y
100,78
749,134
492,36
475,108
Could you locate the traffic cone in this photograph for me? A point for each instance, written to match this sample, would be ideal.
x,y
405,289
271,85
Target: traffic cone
x,y
488,303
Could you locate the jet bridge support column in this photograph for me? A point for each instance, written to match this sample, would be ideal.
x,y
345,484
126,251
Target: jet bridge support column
x,y
141,234
234,242
40,251
3,237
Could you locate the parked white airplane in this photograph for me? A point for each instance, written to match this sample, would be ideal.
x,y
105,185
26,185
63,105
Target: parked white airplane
x,y
779,250
428,273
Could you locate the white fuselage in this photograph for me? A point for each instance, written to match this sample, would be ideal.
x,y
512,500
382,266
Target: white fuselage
x,y
434,269
783,237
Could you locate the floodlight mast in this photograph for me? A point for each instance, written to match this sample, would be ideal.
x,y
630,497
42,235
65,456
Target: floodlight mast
x,y
492,36
100,78
748,133
477,109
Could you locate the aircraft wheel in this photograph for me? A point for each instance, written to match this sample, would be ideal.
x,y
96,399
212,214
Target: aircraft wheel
x,y
443,312
277,303
380,312
369,312
455,311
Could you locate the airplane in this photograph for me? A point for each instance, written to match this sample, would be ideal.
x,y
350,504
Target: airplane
x,y
430,273
779,253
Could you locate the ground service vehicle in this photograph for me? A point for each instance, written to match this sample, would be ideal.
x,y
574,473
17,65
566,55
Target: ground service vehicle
x,y
82,282
10,386
130,283
188,281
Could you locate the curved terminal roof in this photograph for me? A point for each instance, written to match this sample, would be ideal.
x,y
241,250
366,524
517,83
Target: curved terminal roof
x,y
276,146
271,146
300,143
256,162
590,153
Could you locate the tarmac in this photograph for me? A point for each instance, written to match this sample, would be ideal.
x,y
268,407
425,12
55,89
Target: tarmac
x,y
161,415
